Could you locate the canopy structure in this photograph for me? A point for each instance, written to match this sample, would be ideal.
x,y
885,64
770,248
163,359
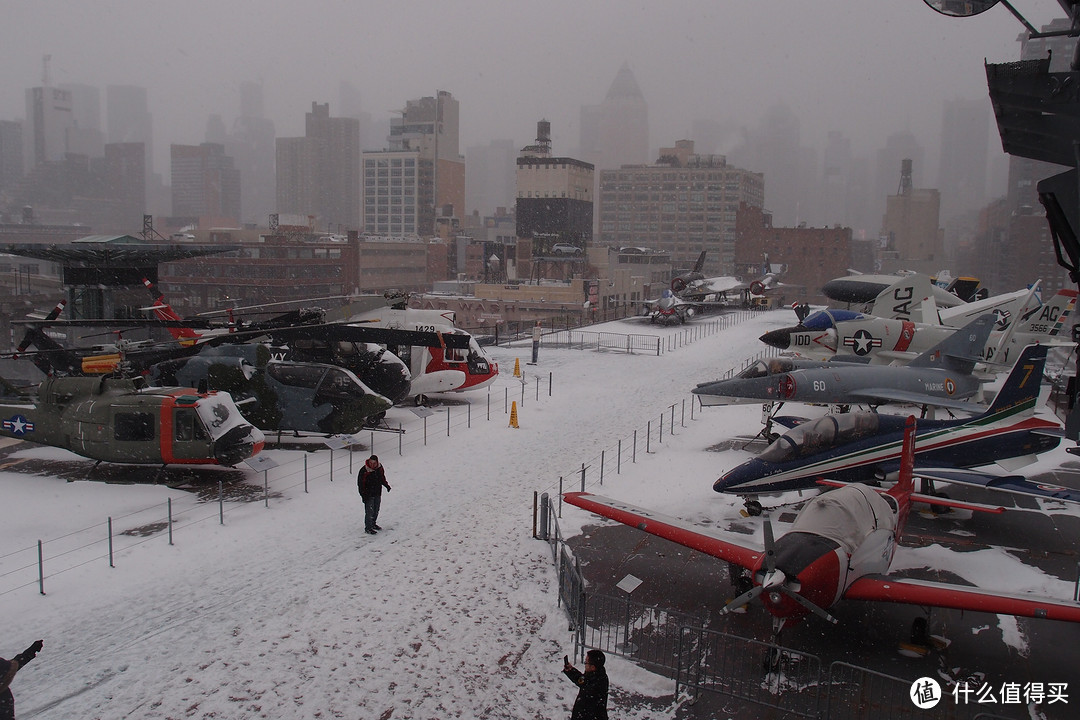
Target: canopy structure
x,y
97,265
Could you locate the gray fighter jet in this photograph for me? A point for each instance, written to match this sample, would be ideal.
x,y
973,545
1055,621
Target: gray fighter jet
x,y
940,377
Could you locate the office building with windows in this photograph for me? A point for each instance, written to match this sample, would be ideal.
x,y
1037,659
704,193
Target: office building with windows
x,y
681,205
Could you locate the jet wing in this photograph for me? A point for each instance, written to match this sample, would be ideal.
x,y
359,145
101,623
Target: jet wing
x,y
670,528
884,588
891,394
1016,484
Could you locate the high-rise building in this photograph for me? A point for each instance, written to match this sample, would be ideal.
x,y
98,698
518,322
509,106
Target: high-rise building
x,y
297,172
420,177
681,205
774,148
124,171
616,132
898,147
965,138
340,178
205,184
86,137
328,159
554,198
911,224
489,176
127,119
49,117
11,154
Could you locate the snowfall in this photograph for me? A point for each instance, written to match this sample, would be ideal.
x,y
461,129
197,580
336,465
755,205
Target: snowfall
x,y
279,606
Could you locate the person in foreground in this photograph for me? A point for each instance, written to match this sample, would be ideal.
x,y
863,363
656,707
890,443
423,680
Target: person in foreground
x,y
370,481
591,703
8,668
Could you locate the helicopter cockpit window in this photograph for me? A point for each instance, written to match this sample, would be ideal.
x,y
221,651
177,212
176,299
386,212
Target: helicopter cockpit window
x,y
338,384
305,376
133,427
187,426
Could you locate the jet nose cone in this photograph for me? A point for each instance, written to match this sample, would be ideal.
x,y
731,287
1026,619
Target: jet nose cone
x,y
722,484
780,338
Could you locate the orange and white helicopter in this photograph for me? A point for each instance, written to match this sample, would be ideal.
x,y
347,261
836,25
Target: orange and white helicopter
x,y
435,369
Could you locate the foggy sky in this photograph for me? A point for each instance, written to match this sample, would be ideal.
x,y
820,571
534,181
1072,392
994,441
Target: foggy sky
x,y
868,68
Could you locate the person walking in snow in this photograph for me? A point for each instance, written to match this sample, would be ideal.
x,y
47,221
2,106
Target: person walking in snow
x,y
591,703
370,482
8,668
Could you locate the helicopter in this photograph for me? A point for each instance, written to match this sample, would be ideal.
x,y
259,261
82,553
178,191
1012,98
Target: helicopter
x,y
275,394
122,420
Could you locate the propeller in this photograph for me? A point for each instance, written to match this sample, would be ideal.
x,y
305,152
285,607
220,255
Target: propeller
x,y
774,580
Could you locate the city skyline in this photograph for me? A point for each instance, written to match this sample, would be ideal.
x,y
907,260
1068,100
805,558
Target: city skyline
x,y
865,71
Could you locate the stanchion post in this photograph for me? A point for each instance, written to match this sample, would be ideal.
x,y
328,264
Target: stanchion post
x,y
110,544
221,503
170,521
40,568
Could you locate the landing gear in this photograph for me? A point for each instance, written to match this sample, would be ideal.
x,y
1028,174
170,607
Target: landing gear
x,y
420,400
927,488
753,508
741,578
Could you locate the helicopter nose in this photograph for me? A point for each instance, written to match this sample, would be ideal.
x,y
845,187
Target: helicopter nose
x,y
780,338
238,444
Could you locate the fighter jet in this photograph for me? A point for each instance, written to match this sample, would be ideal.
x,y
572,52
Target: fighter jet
x,y
694,286
941,377
864,446
829,334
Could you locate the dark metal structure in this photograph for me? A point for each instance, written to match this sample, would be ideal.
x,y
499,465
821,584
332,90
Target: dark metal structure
x,y
1038,117
97,266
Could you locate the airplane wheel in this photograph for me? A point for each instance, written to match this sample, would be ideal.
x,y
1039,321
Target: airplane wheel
x,y
420,400
753,507
940,509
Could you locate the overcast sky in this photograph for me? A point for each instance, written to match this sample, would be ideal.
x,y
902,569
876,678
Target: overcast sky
x,y
867,68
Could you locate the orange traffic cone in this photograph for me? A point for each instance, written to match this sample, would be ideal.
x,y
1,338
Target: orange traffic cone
x,y
513,414
517,367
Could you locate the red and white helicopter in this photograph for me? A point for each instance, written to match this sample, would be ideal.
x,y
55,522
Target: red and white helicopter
x,y
840,546
435,369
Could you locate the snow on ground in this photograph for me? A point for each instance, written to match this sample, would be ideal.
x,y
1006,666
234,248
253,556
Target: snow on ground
x,y
291,611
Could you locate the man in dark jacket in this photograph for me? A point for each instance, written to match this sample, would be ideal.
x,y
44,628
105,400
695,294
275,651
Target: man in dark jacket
x,y
370,482
591,703
8,668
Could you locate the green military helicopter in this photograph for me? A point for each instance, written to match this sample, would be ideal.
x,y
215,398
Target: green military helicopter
x,y
122,420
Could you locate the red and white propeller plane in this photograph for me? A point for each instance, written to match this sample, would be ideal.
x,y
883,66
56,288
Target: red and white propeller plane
x,y
840,546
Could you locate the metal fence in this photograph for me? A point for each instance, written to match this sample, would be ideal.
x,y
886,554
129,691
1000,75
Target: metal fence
x,y
776,678
762,673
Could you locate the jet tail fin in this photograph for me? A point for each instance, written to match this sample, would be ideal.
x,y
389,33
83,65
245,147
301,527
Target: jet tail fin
x,y
905,484
962,349
903,298
164,311
1021,388
700,262
1046,321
